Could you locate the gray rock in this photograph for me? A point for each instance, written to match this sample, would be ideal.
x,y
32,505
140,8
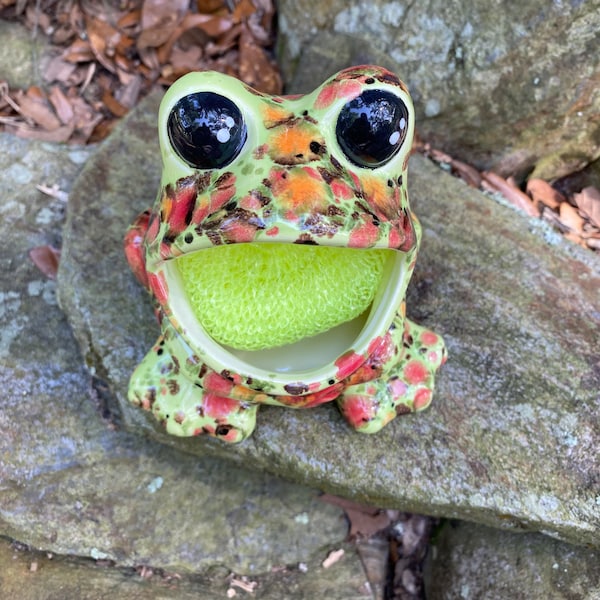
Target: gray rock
x,y
21,54
511,437
70,481
472,562
495,85
28,575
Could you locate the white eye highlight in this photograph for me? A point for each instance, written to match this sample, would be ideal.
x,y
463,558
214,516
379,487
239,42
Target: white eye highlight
x,y
394,138
223,135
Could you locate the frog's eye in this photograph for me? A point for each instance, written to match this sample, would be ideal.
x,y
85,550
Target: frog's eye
x,y
372,127
206,130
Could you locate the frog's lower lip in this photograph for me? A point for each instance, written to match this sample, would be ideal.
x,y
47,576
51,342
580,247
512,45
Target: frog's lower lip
x,y
315,354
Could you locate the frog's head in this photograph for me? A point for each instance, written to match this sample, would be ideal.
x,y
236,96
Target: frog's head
x,y
282,236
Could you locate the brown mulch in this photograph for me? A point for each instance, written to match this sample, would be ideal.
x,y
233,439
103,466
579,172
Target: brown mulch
x,y
105,56
575,214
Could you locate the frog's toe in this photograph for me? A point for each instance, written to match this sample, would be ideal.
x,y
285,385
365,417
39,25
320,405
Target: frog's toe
x,y
186,410
207,414
183,407
367,406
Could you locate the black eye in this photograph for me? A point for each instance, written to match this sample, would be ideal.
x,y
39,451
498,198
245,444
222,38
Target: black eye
x,y
207,130
372,127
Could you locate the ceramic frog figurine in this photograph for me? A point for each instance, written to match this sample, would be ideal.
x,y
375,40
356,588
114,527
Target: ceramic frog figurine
x,y
278,253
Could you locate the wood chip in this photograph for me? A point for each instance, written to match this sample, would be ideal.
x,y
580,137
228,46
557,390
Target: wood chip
x,y
333,557
542,192
588,202
255,67
61,105
571,218
33,106
115,107
243,583
513,194
467,173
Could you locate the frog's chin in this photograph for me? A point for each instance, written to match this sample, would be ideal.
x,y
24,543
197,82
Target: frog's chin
x,y
309,360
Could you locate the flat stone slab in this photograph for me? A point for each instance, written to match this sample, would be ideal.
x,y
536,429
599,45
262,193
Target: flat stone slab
x,y
74,483
511,438
29,575
472,562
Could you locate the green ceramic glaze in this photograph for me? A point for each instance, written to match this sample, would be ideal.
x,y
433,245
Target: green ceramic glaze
x,y
327,169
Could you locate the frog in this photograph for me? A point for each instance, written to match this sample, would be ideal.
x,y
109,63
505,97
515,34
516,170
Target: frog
x,y
314,173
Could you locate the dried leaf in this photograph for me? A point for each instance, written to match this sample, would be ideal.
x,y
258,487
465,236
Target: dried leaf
x,y
571,218
78,51
128,95
575,238
46,259
183,61
593,243
61,105
255,67
103,40
260,23
514,195
588,201
33,105
365,521
466,172
159,20
58,69
38,19
115,107
209,6
130,19
210,25
58,135
542,191
243,10
117,51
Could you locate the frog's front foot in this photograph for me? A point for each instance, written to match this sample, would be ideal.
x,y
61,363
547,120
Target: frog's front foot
x,y
406,386
184,407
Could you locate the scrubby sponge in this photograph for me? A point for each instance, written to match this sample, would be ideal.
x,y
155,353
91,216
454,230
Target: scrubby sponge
x,y
262,295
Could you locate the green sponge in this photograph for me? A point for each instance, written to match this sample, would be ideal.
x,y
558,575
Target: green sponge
x,y
262,295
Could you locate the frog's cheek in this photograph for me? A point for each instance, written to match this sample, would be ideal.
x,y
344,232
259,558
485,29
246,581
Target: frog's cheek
x,y
309,359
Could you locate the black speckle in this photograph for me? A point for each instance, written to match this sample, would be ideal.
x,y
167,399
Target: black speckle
x,y
335,162
296,389
331,381
316,147
369,80
189,238
223,429
390,183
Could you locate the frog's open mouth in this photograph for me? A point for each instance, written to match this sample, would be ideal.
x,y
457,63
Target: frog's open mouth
x,y
284,308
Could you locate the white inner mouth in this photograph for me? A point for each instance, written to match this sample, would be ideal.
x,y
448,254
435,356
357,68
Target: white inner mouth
x,y
305,355
310,359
